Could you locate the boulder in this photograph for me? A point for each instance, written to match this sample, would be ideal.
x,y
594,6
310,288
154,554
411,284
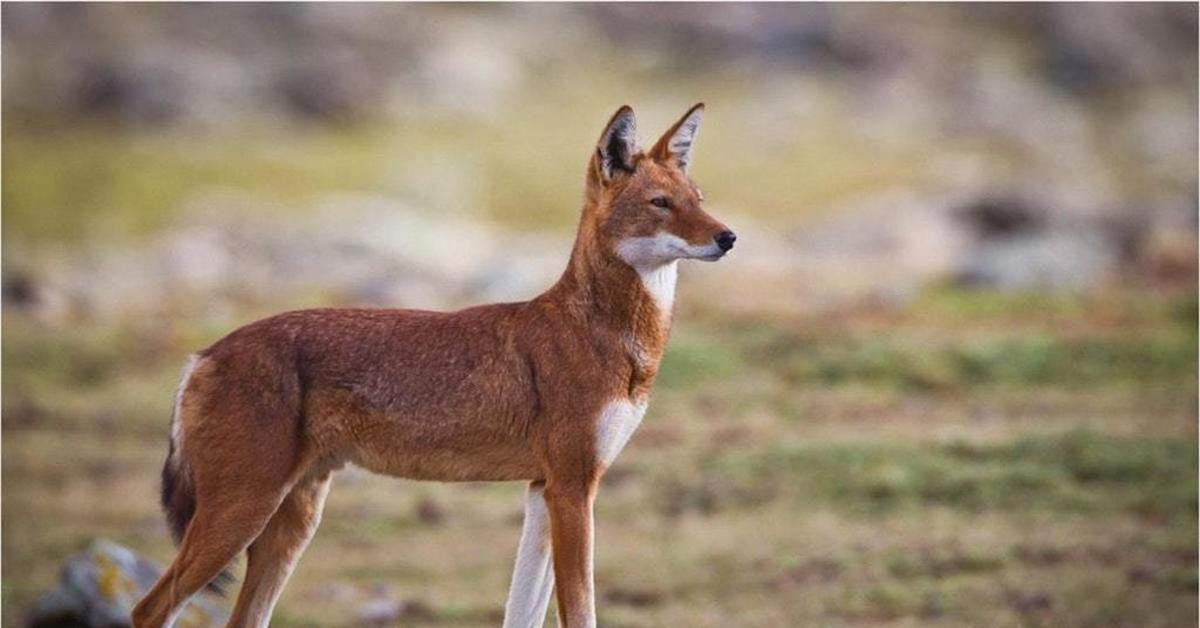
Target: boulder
x,y
100,586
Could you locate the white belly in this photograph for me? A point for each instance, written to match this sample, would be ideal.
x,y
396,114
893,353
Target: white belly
x,y
615,425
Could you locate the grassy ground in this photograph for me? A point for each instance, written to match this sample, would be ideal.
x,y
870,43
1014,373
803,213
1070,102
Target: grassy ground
x,y
967,459
971,459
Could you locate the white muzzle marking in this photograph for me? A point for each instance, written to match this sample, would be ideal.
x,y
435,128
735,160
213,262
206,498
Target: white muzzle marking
x,y
655,259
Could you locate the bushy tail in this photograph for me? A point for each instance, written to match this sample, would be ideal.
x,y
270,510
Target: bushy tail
x,y
178,493
178,498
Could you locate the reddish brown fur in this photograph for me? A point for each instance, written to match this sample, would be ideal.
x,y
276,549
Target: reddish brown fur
x,y
496,392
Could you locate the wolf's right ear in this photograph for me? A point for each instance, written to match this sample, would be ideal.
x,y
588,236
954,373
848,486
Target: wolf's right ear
x,y
618,144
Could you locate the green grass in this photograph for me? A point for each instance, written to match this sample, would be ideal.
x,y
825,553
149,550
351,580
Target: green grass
x,y
98,182
956,340
972,459
1014,360
1075,472
694,358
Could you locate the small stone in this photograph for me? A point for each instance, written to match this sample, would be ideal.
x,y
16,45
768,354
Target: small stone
x,y
385,608
100,587
430,511
381,612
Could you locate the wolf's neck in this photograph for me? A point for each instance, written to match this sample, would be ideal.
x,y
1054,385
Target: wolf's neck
x,y
616,293
659,283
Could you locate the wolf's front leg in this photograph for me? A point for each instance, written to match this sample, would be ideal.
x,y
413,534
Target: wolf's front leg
x,y
570,506
532,579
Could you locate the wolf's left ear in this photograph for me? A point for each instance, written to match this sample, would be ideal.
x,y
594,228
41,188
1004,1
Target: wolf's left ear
x,y
618,144
675,146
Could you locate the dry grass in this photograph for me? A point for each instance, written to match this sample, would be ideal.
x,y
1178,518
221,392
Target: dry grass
x,y
789,473
967,459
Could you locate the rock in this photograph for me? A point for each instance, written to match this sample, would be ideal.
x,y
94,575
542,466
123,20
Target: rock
x,y
1023,244
385,610
634,597
19,289
430,511
380,612
337,592
1163,244
471,72
1092,48
228,248
334,85
1062,259
100,586
991,217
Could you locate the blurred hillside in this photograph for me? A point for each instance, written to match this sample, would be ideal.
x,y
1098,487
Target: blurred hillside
x,y
1043,146
948,376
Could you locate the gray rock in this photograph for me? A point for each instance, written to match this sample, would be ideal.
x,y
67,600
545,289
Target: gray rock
x,y
1042,243
1059,260
385,609
100,586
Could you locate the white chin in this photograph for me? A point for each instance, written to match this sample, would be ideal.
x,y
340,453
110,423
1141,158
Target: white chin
x,y
664,248
708,256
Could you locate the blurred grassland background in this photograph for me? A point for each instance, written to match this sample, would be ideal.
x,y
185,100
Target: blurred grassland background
x,y
948,376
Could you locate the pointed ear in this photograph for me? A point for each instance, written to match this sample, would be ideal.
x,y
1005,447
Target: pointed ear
x,y
675,146
618,144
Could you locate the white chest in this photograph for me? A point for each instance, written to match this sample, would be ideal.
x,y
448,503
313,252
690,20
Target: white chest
x,y
615,425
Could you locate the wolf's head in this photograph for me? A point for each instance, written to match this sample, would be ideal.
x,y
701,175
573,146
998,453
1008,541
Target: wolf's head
x,y
642,206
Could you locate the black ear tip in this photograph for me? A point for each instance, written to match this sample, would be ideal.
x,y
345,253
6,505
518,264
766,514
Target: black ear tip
x,y
623,118
697,107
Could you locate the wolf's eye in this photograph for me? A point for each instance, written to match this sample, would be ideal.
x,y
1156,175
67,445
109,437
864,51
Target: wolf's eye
x,y
660,201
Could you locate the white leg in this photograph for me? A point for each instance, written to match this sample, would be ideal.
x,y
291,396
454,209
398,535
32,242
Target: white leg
x,y
532,579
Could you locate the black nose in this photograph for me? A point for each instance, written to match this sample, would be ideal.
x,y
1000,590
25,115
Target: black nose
x,y
725,240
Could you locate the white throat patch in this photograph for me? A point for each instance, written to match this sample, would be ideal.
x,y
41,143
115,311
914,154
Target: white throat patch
x,y
656,260
660,283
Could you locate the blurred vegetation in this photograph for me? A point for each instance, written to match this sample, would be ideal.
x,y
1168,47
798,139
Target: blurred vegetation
x,y
926,353
925,452
986,491
131,183
67,185
1078,471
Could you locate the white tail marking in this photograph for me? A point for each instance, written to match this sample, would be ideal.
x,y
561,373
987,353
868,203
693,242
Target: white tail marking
x,y
176,427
